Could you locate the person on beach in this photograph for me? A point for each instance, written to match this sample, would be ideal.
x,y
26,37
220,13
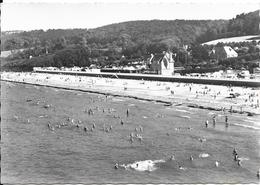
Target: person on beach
x,y
191,158
127,112
258,174
227,124
122,123
214,121
226,119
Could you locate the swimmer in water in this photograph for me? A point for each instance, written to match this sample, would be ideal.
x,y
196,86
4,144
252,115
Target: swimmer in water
x,y
141,128
116,166
239,162
235,157
181,168
216,163
234,152
131,140
172,158
206,123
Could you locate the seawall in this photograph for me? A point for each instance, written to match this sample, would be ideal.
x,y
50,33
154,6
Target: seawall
x,y
226,82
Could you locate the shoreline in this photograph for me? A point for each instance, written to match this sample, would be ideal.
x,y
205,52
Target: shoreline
x,y
143,94
167,103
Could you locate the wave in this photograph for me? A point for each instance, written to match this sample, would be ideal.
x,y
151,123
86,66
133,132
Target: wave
x,y
252,121
117,100
243,158
147,165
188,117
204,155
181,110
246,126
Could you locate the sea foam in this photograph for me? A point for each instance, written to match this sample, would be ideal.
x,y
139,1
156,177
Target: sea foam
x,y
147,165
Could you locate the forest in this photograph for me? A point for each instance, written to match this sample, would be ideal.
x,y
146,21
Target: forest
x,y
134,40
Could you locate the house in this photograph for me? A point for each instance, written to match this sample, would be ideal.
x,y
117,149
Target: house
x,y
223,52
162,64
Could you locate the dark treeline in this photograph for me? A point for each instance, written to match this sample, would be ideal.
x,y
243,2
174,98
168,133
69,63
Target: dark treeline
x,y
243,24
121,35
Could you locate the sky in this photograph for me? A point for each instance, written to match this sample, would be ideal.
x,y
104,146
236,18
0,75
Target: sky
x,y
63,14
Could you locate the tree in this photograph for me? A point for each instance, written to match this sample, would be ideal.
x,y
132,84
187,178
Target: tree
x,y
199,52
60,43
69,57
83,42
12,44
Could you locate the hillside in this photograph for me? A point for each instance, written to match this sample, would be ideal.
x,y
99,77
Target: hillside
x,y
241,25
105,46
172,33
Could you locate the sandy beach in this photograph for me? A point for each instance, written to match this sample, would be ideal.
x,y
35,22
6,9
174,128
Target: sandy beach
x,y
212,97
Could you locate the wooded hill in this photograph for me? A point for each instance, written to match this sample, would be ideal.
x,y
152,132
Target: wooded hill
x,y
173,33
133,39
